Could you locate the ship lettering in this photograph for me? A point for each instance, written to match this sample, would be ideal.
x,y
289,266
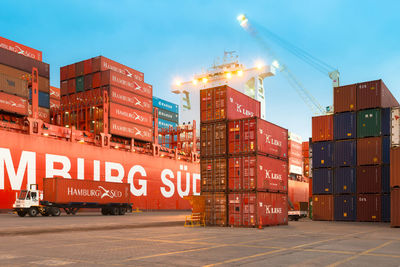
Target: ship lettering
x,y
244,111
273,176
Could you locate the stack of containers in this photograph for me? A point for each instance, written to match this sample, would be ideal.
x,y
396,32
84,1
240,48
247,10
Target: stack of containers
x,y
55,97
16,63
168,116
243,161
306,159
130,98
295,154
356,164
395,168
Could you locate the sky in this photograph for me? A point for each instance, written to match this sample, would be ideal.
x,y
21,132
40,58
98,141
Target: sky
x,y
168,39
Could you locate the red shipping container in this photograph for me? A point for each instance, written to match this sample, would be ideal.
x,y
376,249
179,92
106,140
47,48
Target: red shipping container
x,y
101,63
88,82
131,130
43,113
252,209
63,191
369,179
216,209
64,73
71,86
295,161
369,151
225,103
20,49
64,88
305,146
96,80
395,207
213,175
124,82
13,104
322,128
55,104
20,74
322,206
258,173
257,135
79,69
55,92
344,98
87,66
294,149
369,208
374,94
395,167
310,188
121,112
213,139
130,99
298,192
71,71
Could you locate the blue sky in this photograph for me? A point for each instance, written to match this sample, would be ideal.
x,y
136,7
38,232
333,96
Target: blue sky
x,y
165,39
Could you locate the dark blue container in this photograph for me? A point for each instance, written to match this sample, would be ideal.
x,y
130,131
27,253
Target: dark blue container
x,y
44,99
385,202
345,207
386,149
385,179
385,121
322,182
322,154
344,180
345,153
345,125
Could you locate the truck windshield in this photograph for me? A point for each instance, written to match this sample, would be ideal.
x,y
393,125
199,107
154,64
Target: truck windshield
x,y
22,195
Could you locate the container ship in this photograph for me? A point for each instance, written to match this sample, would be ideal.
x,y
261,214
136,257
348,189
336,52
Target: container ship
x,y
100,125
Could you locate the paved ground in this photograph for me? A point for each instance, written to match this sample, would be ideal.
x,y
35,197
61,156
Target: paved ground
x,y
303,243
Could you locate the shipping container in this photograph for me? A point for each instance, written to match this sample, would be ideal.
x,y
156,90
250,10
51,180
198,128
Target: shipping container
x,y
345,180
79,69
71,86
55,93
80,84
369,207
295,165
63,191
369,179
254,135
166,105
345,153
87,66
386,149
395,127
164,124
213,139
344,125
44,85
131,115
122,81
13,104
395,207
322,207
20,49
369,123
71,71
374,94
216,209
167,115
64,88
101,63
250,209
298,192
55,104
386,179
44,99
129,99
13,86
257,172
63,73
395,167
385,215
322,181
213,175
88,82
43,113
345,208
225,103
345,98
322,154
369,151
135,131
294,149
386,121
96,80
322,128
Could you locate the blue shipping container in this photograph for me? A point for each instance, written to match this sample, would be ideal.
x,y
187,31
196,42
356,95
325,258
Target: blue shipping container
x,y
385,202
44,99
385,121
167,115
322,154
322,182
385,179
161,103
345,181
165,124
345,153
386,149
345,207
345,125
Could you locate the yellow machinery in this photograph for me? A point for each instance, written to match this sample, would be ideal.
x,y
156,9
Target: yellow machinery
x,y
197,218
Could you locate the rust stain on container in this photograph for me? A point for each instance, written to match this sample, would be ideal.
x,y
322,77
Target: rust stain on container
x,y
369,151
344,98
322,128
322,207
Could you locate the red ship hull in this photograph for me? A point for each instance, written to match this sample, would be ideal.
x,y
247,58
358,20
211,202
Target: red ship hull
x,y
156,183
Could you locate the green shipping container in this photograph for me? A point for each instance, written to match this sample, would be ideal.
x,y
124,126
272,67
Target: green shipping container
x,y
80,84
368,123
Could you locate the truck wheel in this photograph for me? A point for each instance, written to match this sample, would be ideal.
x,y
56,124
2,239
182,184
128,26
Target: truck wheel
x,y
114,211
55,211
21,213
105,211
45,212
122,211
33,212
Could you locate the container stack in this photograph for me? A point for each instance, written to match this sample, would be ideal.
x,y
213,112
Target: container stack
x,y
130,104
244,166
168,116
351,155
395,168
16,63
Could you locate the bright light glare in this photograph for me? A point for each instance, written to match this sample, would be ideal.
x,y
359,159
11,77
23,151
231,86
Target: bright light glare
x,y
194,81
259,65
275,63
204,80
240,73
178,83
228,75
242,20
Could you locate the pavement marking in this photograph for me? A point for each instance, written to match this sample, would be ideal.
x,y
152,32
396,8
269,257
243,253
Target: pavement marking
x,y
365,252
384,255
52,262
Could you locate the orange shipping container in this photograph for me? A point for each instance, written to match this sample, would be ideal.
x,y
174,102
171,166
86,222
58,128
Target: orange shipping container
x,y
395,208
55,92
395,167
13,104
121,112
344,98
322,207
131,130
369,151
322,128
20,49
